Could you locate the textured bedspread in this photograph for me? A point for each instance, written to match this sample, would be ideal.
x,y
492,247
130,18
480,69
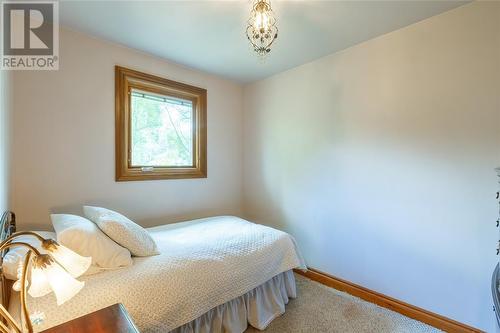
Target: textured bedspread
x,y
203,263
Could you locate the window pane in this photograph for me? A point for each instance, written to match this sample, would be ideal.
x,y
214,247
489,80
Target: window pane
x,y
162,130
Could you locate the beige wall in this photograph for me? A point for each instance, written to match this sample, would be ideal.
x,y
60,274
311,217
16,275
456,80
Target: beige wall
x,y
4,139
379,159
63,144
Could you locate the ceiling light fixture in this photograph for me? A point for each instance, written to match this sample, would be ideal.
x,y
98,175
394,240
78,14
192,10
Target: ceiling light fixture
x,y
262,30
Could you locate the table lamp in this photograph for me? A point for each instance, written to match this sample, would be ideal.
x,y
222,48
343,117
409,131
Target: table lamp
x,y
52,272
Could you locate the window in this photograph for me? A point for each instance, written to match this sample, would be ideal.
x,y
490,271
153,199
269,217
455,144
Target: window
x,y
160,128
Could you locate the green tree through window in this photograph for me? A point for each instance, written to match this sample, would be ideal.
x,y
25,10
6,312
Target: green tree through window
x,y
161,130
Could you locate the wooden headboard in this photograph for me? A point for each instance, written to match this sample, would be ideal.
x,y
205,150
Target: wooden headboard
x,y
7,228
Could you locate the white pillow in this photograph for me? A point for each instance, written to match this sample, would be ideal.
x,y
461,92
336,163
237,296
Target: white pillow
x,y
16,255
85,238
123,231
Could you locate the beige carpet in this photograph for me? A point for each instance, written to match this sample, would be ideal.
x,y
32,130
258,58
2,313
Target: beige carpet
x,y
322,309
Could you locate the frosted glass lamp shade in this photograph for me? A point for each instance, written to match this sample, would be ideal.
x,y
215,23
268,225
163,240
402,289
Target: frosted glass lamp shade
x,y
48,271
62,283
74,263
39,285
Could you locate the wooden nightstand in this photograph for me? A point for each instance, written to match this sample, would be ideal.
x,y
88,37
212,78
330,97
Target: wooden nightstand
x,y
113,319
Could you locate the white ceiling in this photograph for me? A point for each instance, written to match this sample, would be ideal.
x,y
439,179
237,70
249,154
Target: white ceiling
x,y
209,35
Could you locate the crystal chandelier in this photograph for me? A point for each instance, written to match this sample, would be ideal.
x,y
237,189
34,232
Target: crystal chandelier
x,y
262,30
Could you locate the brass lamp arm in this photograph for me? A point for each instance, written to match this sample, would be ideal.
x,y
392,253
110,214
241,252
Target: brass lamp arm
x,y
24,305
9,320
3,328
22,233
4,245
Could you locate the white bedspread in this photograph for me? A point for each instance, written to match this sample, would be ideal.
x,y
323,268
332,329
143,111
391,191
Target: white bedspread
x,y
203,264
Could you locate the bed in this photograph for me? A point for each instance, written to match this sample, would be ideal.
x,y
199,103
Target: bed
x,y
216,274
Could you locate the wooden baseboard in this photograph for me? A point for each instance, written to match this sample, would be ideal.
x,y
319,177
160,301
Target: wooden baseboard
x,y
438,321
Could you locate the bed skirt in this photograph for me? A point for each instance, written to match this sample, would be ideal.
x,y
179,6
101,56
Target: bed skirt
x,y
258,307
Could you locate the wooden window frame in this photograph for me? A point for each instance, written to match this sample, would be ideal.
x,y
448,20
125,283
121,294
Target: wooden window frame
x,y
128,79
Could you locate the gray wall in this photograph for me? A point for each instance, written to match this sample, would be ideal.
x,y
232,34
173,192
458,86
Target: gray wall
x,y
379,159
